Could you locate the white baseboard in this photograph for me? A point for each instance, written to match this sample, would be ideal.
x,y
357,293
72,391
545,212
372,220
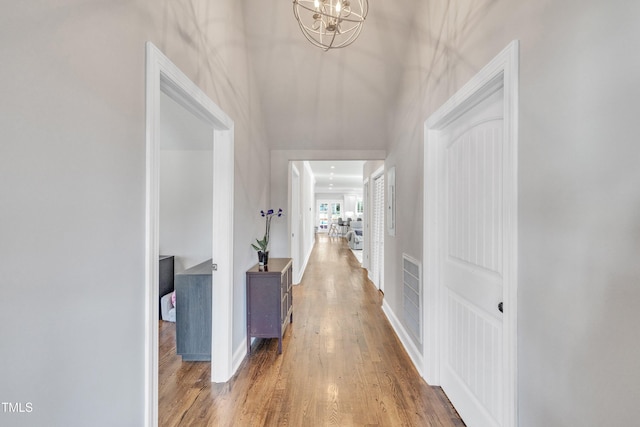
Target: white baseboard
x,y
405,338
304,265
238,356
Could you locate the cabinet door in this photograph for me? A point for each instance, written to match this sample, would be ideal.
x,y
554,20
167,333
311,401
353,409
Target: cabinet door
x,y
290,289
263,307
283,297
193,316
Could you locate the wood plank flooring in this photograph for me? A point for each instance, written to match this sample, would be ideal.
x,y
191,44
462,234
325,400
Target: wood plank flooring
x,y
341,365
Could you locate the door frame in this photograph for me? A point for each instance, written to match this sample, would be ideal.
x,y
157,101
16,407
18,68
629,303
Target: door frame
x,y
503,72
294,223
365,224
164,76
378,173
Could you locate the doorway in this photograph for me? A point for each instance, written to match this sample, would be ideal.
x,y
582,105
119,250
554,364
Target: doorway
x,y
186,180
470,240
164,78
328,190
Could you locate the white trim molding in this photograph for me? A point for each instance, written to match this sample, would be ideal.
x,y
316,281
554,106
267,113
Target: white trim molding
x,y
294,235
503,72
391,201
164,76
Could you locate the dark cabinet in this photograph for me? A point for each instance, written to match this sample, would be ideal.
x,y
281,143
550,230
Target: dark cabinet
x,y
269,300
193,312
165,285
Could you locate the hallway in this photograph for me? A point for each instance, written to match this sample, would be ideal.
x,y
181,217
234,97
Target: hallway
x,y
341,364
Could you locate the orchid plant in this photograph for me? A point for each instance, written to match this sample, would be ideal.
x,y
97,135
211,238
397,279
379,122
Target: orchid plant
x,y
262,245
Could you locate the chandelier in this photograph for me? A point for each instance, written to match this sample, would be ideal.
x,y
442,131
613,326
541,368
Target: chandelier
x,y
330,24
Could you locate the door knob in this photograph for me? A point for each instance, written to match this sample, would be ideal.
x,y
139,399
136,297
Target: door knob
x,y
500,307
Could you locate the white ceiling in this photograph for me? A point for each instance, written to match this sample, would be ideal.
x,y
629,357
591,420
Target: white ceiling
x,y
338,176
338,99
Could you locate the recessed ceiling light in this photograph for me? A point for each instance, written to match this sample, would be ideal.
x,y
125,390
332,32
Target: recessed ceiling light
x,y
333,167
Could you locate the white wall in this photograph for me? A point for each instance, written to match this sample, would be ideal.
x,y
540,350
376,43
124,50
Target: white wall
x,y
350,205
579,208
186,201
72,221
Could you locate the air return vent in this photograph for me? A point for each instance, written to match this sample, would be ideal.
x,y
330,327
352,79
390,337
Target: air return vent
x,y
412,290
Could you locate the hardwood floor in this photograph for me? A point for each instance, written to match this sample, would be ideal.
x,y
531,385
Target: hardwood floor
x,y
341,365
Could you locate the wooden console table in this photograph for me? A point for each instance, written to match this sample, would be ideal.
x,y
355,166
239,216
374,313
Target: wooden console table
x,y
269,300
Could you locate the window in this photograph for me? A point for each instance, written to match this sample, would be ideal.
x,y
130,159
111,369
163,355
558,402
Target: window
x,y
328,211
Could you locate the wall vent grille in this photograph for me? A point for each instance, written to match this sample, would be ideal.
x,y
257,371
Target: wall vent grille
x,y
412,290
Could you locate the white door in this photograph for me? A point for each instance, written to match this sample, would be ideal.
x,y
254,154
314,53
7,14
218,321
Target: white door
x,y
366,219
377,233
336,211
472,273
322,216
295,224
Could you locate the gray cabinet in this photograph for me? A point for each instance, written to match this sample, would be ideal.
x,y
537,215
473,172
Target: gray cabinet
x,y
193,312
269,300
